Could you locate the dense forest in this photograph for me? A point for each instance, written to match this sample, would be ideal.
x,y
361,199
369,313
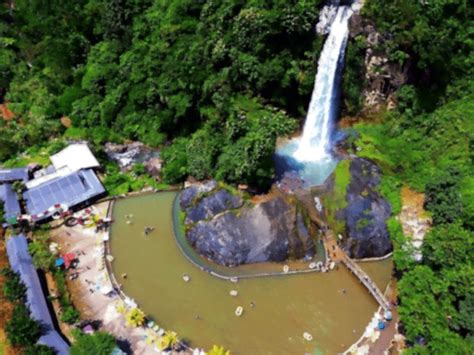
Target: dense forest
x,y
214,83
221,79
427,143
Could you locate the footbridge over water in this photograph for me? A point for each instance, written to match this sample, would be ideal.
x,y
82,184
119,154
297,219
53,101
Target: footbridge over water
x,y
337,254
367,282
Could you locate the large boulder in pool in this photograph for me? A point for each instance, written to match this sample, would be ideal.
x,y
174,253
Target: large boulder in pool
x,y
212,205
268,231
366,213
190,194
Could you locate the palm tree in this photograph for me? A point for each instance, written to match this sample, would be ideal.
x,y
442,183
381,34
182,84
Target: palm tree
x,y
169,340
135,317
218,350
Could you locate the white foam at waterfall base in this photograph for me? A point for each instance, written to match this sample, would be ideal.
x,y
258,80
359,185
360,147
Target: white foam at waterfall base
x,y
310,155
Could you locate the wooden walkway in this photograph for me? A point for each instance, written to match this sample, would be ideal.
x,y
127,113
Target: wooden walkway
x,y
367,282
337,254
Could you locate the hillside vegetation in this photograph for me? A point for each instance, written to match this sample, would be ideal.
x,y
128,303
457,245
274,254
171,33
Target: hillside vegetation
x,y
426,143
215,82
219,79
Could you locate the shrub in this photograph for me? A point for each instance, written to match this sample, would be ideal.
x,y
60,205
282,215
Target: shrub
x,y
448,246
70,315
13,289
99,343
443,199
218,350
42,257
175,168
22,330
39,349
2,212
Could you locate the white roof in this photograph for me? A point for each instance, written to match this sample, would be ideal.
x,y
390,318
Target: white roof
x,y
75,157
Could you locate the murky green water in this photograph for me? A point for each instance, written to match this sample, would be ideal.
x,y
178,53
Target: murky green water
x,y
202,311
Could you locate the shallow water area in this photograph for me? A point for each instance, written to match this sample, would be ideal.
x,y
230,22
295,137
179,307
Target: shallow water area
x,y
333,307
312,173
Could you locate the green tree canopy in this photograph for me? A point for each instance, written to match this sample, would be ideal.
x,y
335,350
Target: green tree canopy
x,y
99,343
22,330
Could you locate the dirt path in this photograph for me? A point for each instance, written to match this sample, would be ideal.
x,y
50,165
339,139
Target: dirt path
x,y
414,219
53,290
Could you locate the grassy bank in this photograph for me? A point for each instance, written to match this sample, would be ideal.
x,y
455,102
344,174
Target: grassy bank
x,y
335,200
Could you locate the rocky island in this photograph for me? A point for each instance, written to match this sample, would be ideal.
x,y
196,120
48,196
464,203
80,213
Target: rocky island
x,y
230,231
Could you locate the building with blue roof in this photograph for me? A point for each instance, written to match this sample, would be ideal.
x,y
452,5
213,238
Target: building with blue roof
x,y
21,262
76,189
10,175
11,206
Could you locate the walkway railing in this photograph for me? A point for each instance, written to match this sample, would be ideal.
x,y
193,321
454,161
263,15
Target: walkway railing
x,y
367,282
194,259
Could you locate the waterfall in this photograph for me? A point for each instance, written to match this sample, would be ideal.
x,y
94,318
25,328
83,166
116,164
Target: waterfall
x,y
314,144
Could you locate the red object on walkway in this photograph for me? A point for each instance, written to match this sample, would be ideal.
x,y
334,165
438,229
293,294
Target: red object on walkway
x,y
68,259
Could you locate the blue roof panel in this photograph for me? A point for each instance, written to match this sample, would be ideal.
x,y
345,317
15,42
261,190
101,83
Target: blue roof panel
x,y
71,190
10,175
10,201
21,262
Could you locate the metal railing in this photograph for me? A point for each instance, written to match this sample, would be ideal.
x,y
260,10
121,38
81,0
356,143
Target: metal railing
x,y
367,282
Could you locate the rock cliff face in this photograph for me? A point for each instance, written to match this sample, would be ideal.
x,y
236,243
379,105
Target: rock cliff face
x,y
225,231
383,77
212,205
366,213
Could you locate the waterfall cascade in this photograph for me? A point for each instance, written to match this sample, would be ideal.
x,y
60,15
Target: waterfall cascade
x,y
309,156
315,142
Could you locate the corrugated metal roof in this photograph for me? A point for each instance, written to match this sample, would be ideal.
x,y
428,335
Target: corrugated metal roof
x,y
70,190
21,262
10,201
10,175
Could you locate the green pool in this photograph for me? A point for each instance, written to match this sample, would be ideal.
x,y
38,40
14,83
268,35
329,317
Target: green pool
x,y
202,311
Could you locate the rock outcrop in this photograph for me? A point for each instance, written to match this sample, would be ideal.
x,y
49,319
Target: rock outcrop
x,y
383,77
190,193
127,155
366,213
225,230
212,205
